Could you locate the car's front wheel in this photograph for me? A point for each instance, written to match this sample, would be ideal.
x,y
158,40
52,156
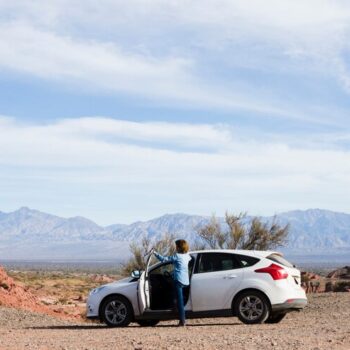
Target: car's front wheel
x,y
252,307
116,311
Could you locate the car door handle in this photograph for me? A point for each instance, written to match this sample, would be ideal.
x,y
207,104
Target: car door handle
x,y
230,276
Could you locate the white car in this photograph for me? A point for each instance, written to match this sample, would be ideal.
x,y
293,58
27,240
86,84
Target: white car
x,y
255,286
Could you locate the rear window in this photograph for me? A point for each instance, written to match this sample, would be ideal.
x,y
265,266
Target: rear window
x,y
246,261
279,259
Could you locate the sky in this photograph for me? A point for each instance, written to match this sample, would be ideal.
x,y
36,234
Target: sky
x,y
126,110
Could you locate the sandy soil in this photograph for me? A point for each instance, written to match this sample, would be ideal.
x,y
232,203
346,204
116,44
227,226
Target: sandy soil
x,y
324,324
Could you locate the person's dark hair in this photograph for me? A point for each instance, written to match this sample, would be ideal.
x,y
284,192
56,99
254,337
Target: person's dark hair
x,y
182,246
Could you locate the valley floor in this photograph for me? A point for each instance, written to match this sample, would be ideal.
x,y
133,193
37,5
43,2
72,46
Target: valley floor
x,y
324,324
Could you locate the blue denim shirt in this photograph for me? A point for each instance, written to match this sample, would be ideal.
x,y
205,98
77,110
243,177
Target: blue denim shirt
x,y
180,262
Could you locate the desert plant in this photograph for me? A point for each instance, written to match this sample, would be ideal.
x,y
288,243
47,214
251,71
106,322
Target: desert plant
x,y
239,235
341,286
329,286
305,277
165,245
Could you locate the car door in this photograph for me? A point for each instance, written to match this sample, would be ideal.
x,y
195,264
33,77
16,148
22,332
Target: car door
x,y
143,290
161,286
216,278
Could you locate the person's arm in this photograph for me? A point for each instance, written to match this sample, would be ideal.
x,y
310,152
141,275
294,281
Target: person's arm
x,y
165,258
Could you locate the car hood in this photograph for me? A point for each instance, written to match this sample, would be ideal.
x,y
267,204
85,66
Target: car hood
x,y
119,283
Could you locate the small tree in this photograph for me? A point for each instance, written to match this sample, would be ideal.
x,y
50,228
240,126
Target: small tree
x,y
254,235
165,246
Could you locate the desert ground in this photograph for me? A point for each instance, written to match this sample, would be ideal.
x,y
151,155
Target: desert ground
x,y
324,324
46,310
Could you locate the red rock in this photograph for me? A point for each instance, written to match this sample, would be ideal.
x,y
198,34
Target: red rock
x,y
16,296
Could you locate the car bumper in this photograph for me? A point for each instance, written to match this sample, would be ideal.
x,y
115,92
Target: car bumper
x,y
92,307
289,305
93,317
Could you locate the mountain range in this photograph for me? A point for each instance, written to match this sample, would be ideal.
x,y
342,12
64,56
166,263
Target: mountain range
x,y
31,234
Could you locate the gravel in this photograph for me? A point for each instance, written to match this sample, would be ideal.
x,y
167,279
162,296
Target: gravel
x,y
324,324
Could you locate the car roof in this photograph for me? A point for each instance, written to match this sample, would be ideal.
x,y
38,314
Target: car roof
x,y
257,253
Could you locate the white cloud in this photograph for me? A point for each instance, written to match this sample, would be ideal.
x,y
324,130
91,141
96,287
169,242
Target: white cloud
x,y
82,158
180,134
317,29
47,55
94,66
157,49
313,34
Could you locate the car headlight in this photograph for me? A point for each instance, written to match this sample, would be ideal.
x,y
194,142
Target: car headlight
x,y
96,290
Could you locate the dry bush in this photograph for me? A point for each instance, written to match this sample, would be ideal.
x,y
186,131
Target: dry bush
x,y
255,235
341,286
164,246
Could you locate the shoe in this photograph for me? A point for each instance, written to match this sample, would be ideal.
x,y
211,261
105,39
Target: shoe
x,y
181,324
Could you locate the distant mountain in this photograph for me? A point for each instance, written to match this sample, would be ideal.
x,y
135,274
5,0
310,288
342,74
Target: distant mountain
x,y
310,230
316,229
29,224
182,225
31,234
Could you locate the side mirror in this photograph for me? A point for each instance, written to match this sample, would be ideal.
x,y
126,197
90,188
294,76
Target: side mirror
x,y
136,274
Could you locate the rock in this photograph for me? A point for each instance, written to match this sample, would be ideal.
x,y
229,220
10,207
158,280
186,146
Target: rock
x,y
15,295
343,273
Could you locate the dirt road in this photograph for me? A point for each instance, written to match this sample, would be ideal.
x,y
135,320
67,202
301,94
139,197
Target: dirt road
x,y
324,324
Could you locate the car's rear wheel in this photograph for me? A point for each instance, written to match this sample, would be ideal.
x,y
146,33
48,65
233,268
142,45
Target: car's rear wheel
x,y
276,318
116,311
252,307
148,323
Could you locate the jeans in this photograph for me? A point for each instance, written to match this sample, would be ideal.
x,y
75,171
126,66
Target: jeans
x,y
180,300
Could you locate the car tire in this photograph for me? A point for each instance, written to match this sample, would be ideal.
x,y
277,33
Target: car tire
x,y
116,311
276,318
147,323
252,307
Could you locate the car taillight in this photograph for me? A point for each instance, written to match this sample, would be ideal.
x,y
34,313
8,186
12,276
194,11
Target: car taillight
x,y
276,272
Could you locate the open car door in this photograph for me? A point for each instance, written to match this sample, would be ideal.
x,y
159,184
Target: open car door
x,y
143,288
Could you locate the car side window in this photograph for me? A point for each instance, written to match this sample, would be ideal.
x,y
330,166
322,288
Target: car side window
x,y
211,262
246,260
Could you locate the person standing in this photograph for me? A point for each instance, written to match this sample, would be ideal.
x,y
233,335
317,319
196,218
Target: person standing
x,y
180,260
